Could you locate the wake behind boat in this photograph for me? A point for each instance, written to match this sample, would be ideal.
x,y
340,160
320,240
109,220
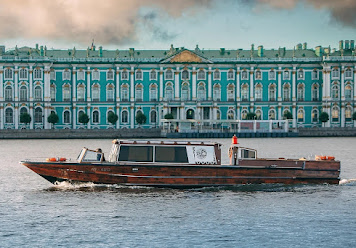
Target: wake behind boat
x,y
178,164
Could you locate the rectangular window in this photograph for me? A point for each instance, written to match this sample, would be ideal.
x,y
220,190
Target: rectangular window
x,y
171,154
136,153
124,75
52,75
81,75
272,75
315,75
66,75
110,75
96,75
153,75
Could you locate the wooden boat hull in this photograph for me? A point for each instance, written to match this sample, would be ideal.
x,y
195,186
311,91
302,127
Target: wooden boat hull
x,y
190,176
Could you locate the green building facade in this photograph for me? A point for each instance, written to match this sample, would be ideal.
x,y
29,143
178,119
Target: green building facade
x,y
190,84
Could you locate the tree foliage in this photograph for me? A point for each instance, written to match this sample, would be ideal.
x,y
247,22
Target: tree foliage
x,y
354,116
168,116
83,118
53,118
140,118
324,117
112,118
250,116
288,115
25,118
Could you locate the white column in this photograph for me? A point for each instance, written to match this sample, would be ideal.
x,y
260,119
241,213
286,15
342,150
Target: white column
x,y
328,84
74,116
251,85
342,84
88,85
31,86
2,119
89,114
74,85
294,110
117,85
194,85
119,115
342,115
1,87
238,84
16,116
33,116
47,97
210,86
176,84
324,85
132,84
182,115
294,92
279,88
16,84
215,112
132,115
353,85
161,87
279,113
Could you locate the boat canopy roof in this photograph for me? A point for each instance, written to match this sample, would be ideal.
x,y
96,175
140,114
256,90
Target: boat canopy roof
x,y
161,142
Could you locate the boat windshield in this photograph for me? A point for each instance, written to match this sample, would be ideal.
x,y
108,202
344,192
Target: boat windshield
x,y
91,156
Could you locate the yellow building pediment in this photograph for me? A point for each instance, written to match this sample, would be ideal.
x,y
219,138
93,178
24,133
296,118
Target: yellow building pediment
x,y
186,56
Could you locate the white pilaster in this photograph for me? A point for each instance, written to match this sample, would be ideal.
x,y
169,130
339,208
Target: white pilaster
x,y
2,117
74,116
210,86
194,85
88,85
132,84
342,115
30,71
117,86
176,84
132,115
279,88
238,84
1,87
16,84
161,87
252,85
74,84
343,83
294,92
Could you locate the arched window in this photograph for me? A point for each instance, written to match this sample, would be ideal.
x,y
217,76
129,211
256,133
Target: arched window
x,y
218,114
217,92
258,114
153,92
81,93
23,93
95,116
23,110
124,75
66,74
272,92
348,92
244,75
23,74
315,115
230,75
258,74
244,92
272,114
315,92
169,91
286,92
81,112
139,75
272,75
110,93
139,93
185,75
153,116
153,75
348,113
37,74
53,92
201,92
185,92
125,117
81,74
286,74
38,93
8,93
301,74
300,115
244,114
335,73
52,74
300,92
169,74
335,114
258,92
315,74
231,92
125,93
66,117
190,114
348,73
9,116
8,74
201,74
110,75
95,93
38,115
335,93
216,74
66,93
230,114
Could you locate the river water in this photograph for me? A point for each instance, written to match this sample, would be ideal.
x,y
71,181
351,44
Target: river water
x,y
34,213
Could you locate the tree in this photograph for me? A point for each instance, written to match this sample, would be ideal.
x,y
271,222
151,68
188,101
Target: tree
x,y
250,116
140,118
324,117
25,118
53,118
112,118
354,116
168,116
83,118
288,115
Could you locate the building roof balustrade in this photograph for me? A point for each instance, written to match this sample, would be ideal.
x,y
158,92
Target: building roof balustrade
x,y
339,58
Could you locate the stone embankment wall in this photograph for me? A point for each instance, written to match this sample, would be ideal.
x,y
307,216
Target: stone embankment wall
x,y
327,132
80,133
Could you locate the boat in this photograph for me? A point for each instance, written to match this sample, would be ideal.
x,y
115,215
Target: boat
x,y
184,164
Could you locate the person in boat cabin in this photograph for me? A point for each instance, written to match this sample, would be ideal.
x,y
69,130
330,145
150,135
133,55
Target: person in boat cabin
x,y
100,154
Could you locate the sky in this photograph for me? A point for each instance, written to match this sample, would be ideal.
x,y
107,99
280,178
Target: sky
x,y
156,24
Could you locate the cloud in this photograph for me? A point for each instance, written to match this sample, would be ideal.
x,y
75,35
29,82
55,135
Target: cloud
x,y
108,21
342,11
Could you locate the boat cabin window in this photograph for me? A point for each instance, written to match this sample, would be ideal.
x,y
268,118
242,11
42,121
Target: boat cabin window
x,y
91,156
247,153
136,153
171,154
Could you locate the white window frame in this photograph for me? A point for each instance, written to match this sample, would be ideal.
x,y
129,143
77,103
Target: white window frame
x,y
125,75
23,71
166,74
216,74
95,75
244,75
110,74
81,75
201,74
335,73
139,74
272,75
285,76
182,74
256,74
8,74
153,75
348,70
66,74
315,74
300,74
52,74
37,74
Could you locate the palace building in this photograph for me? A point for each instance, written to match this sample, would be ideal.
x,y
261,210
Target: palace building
x,y
190,84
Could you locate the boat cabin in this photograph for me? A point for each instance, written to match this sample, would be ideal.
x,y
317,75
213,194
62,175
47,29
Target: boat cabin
x,y
165,152
90,156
